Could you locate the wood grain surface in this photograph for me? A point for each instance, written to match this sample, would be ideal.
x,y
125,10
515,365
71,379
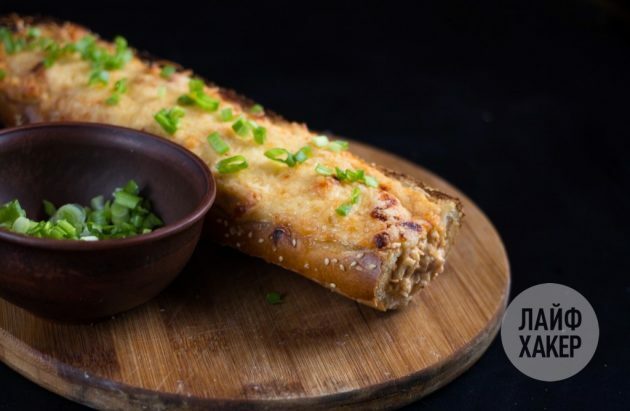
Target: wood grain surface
x,y
211,340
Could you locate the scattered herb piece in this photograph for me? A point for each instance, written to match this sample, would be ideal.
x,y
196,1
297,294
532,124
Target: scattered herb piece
x,y
120,87
344,209
217,143
197,96
274,298
232,164
169,118
168,71
337,145
257,109
226,114
283,155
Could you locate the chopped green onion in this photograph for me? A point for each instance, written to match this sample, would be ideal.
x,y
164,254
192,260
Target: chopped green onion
x,y
260,135
323,142
169,118
132,188
284,156
120,87
9,212
97,203
371,181
33,32
338,145
257,109
281,155
3,74
232,164
240,127
217,143
100,77
303,154
167,71
198,97
49,208
226,114
22,225
274,298
344,209
323,170
320,141
352,176
126,199
72,221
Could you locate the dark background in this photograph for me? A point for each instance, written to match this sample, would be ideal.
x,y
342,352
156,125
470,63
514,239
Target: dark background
x,y
522,105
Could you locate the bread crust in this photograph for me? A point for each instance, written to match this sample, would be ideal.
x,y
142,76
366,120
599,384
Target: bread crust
x,y
401,252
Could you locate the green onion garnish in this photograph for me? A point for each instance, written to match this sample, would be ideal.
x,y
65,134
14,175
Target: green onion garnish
x,y
226,114
167,71
274,298
161,91
217,143
344,209
257,109
240,127
232,164
169,118
351,176
100,77
320,141
282,155
120,87
323,170
323,142
260,135
3,74
198,97
49,208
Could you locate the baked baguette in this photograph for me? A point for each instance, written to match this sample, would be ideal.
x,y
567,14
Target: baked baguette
x,y
391,243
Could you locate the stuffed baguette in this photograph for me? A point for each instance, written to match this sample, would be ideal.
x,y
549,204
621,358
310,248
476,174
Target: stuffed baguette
x,y
283,194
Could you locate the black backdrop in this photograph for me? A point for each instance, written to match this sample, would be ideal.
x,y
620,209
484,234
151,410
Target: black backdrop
x,y
522,105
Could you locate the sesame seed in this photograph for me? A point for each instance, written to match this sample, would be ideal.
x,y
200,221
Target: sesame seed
x,y
274,249
372,266
306,265
341,267
249,235
360,255
326,261
280,258
352,264
260,240
334,261
333,285
294,242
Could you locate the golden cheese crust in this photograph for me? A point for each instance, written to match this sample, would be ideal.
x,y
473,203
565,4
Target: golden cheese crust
x,y
389,246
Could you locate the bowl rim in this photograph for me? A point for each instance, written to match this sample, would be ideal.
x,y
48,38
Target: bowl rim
x,y
168,230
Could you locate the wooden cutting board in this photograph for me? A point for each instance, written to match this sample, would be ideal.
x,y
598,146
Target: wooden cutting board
x,y
212,341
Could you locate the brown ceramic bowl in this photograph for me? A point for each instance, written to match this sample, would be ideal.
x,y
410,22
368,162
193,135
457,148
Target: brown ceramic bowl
x,y
72,162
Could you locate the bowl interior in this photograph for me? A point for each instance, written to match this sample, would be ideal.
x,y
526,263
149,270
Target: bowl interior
x,y
72,163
